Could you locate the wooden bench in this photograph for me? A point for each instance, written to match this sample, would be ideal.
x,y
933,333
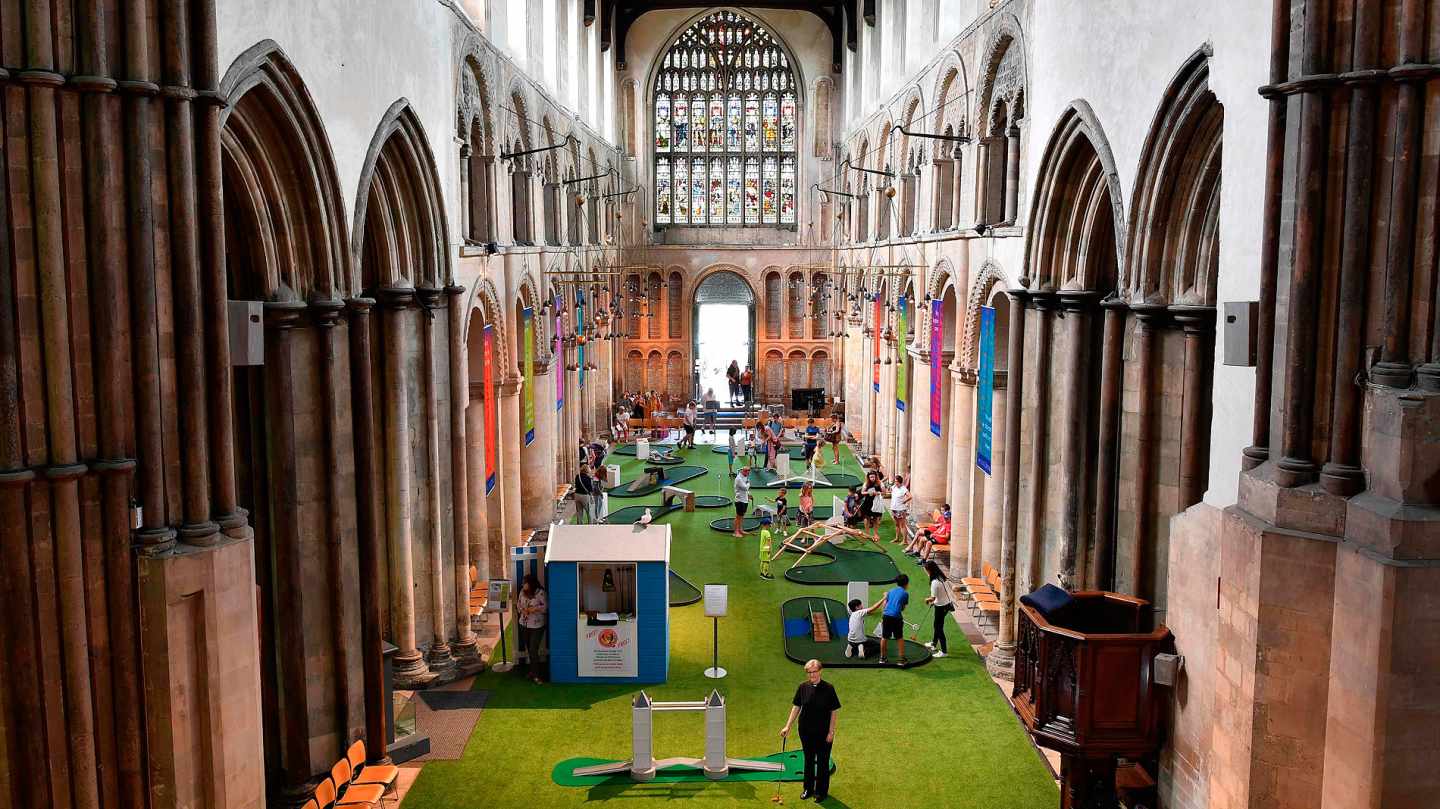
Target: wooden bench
x,y
667,493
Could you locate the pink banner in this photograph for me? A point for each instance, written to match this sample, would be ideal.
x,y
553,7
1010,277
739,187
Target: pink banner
x,y
937,360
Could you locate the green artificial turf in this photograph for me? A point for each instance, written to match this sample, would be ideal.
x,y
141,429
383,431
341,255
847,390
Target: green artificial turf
x,y
939,735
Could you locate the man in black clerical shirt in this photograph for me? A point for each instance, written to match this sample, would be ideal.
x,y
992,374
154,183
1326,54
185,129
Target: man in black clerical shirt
x,y
815,704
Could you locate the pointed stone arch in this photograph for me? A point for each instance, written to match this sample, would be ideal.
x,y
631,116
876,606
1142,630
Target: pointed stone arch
x,y
1172,254
284,206
1077,223
400,235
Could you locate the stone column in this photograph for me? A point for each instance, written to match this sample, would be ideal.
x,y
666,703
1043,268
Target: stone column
x,y
465,648
537,461
1012,173
1001,660
438,659
994,485
508,417
1199,325
326,314
409,664
367,523
1044,304
930,452
1151,318
962,462
1112,371
1074,417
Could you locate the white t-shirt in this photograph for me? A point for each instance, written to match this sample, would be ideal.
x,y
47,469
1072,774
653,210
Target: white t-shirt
x,y
742,488
940,593
897,498
857,627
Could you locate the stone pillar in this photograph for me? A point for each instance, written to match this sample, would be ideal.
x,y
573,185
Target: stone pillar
x,y
1012,173
410,669
1001,660
537,461
993,487
1112,371
367,524
1044,304
962,462
1151,318
509,462
930,452
465,648
326,314
1073,393
1199,325
432,300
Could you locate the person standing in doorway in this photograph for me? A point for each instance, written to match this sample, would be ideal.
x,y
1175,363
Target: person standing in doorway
x,y
816,706
747,381
532,609
742,498
732,377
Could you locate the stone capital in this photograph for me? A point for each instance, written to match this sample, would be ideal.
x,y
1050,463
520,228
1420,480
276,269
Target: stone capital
x,y
326,311
395,298
284,314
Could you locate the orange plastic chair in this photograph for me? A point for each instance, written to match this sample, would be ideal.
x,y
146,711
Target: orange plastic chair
x,y
354,794
324,794
362,773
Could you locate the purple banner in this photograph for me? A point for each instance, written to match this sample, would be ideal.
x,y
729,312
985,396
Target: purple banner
x,y
558,363
937,359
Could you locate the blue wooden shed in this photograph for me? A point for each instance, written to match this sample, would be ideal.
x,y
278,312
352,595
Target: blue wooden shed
x,y
609,596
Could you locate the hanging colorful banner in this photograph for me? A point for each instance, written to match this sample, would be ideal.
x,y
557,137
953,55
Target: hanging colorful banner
x,y
937,360
557,363
985,394
579,336
877,329
487,360
527,399
902,357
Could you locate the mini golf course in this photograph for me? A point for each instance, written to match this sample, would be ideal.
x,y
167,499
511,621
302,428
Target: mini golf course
x,y
752,520
801,645
682,594
889,727
673,476
629,449
632,514
852,560
564,772
765,479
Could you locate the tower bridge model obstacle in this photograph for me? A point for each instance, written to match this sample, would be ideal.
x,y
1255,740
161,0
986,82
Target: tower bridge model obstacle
x,y
643,764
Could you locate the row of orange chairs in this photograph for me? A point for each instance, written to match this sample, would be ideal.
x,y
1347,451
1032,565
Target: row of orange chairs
x,y
352,782
983,593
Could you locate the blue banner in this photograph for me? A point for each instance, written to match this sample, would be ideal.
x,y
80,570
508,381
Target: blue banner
x,y
580,335
986,393
937,349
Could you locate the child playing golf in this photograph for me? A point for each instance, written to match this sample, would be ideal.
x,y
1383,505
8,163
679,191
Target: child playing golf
x,y
855,639
807,504
765,541
782,508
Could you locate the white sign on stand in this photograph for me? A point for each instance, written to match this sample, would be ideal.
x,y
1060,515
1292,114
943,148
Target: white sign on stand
x,y
642,448
612,475
782,464
717,598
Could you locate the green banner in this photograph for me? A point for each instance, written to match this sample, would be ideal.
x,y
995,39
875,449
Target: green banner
x,y
902,358
527,402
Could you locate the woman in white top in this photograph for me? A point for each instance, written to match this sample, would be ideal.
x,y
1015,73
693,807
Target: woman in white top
x,y
900,509
532,608
941,600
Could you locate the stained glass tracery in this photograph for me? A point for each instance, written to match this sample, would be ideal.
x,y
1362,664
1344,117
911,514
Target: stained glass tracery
x,y
726,113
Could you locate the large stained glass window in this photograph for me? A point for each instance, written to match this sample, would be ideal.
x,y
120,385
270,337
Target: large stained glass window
x,y
726,112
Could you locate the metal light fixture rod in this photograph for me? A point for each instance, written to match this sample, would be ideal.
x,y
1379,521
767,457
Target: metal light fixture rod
x,y
952,138
848,164
817,187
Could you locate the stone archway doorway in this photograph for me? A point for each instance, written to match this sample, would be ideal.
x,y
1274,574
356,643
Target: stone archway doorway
x,y
724,318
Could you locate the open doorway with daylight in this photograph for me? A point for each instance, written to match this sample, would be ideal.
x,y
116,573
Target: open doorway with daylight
x,y
724,330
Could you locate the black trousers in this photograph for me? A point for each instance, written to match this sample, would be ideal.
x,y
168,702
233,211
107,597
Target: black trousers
x,y
817,764
939,639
